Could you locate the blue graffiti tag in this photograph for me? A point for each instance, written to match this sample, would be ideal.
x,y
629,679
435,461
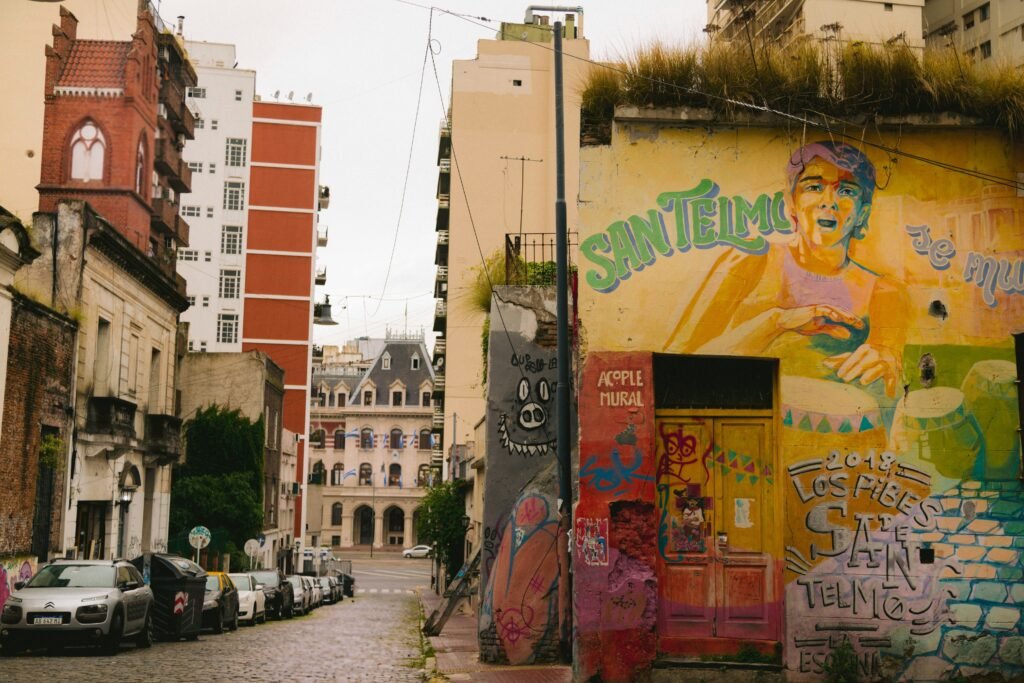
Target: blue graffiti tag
x,y
616,478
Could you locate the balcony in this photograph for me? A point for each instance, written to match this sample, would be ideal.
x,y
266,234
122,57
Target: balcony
x,y
440,316
444,185
324,196
163,439
182,120
439,347
438,384
111,416
444,141
441,253
166,219
441,283
170,163
442,217
321,237
437,456
321,276
438,420
445,165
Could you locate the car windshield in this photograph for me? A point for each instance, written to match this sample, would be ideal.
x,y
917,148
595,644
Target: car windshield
x,y
241,581
212,584
73,576
325,582
266,578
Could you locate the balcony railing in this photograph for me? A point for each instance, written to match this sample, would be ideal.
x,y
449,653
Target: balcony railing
x,y
110,416
321,237
321,276
180,117
530,257
438,383
170,163
439,347
166,218
445,165
163,438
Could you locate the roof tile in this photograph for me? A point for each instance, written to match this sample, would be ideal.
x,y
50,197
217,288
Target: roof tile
x,y
95,64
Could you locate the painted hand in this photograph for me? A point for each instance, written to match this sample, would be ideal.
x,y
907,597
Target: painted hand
x,y
868,362
818,319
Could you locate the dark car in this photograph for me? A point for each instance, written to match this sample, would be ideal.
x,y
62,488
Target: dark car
x,y
348,585
280,595
220,604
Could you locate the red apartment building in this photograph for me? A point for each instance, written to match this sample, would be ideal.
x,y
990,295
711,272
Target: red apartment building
x,y
284,200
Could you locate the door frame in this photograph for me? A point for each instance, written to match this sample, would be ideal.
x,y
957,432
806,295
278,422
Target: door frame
x,y
718,646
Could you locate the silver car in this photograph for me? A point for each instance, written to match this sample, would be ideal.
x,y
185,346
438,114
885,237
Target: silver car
x,y
97,602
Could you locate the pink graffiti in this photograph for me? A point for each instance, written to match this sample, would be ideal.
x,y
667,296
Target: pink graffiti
x,y
680,450
530,511
514,624
537,584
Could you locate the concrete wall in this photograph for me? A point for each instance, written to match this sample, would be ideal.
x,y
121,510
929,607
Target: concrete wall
x,y
885,296
520,426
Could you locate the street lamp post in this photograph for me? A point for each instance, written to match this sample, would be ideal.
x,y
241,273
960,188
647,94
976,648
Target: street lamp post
x,y
124,500
373,511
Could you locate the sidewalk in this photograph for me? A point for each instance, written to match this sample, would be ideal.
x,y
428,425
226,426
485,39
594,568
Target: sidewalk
x,y
458,659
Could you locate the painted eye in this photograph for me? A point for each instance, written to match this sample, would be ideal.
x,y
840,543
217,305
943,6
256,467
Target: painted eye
x,y
543,389
524,389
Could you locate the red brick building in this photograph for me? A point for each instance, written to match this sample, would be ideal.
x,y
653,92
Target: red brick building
x,y
284,201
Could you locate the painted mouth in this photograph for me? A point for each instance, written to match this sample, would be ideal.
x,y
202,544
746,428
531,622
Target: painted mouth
x,y
827,223
519,448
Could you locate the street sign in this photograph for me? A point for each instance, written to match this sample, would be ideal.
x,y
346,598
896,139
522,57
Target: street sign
x,y
252,546
199,537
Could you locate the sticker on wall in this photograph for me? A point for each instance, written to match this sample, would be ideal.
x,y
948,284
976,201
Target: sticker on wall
x,y
688,528
592,540
741,515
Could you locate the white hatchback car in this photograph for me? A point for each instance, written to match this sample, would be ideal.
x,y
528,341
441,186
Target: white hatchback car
x,y
418,551
252,601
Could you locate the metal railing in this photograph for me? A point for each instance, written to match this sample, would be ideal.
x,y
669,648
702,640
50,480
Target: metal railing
x,y
530,257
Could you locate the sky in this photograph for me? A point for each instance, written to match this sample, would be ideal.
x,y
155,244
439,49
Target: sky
x,y
362,62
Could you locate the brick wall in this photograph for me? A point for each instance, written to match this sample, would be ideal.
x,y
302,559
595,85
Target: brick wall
x,y
40,382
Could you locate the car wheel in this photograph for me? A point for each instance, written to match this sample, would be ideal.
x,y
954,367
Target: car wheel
x,y
145,637
233,624
218,623
113,641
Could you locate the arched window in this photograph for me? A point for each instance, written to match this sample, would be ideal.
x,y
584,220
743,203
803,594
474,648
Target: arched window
x,y
319,475
396,438
336,514
395,475
365,474
366,438
318,439
339,439
140,166
88,150
423,476
337,474
424,444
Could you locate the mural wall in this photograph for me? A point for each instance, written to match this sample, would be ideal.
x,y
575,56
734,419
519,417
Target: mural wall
x,y
888,289
518,620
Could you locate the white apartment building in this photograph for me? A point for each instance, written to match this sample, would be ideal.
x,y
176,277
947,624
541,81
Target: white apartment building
x,y
983,29
214,262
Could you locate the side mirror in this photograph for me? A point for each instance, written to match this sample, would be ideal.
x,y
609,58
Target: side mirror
x,y
18,585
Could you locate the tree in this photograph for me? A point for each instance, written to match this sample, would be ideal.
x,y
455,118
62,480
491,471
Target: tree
x,y
440,521
221,483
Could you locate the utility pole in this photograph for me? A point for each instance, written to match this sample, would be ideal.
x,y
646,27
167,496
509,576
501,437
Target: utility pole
x,y
562,393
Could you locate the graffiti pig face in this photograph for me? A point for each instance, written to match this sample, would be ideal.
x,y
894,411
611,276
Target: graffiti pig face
x,y
526,431
532,414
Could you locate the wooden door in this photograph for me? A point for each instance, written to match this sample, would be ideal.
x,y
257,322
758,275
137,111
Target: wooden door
x,y
717,534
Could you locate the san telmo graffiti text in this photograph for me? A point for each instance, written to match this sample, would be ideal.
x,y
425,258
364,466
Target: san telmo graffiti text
x,y
698,217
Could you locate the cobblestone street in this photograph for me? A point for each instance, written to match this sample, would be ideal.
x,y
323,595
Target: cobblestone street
x,y
372,638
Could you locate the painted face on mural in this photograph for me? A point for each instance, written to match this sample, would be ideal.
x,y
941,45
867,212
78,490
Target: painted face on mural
x,y
828,203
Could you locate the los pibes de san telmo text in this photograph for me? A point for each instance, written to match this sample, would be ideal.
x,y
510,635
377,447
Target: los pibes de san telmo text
x,y
696,218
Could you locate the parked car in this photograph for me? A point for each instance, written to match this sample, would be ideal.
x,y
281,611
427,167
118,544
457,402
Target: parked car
x,y
302,596
220,603
418,551
315,595
252,602
280,596
329,587
78,601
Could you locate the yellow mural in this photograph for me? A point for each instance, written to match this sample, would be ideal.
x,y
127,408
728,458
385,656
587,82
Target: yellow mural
x,y
889,289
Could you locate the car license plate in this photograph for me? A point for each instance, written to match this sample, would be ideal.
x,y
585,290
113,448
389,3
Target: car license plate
x,y
48,620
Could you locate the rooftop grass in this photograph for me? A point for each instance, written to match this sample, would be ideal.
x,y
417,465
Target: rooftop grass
x,y
805,78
